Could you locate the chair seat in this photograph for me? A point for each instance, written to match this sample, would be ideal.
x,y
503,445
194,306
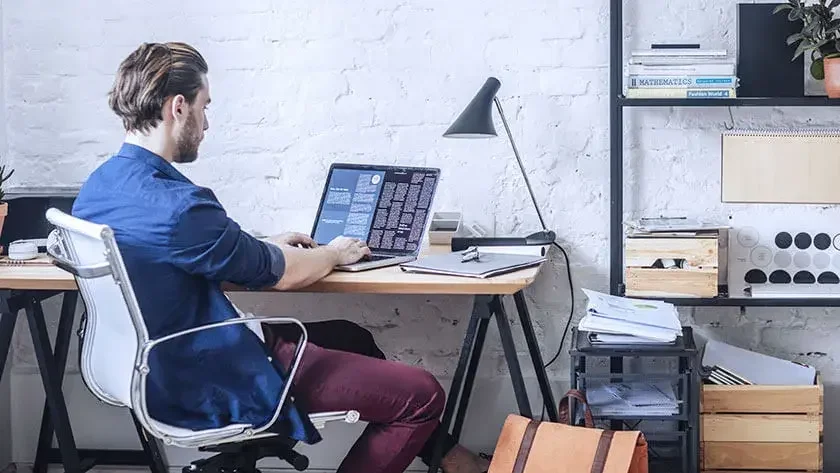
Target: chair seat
x,y
233,432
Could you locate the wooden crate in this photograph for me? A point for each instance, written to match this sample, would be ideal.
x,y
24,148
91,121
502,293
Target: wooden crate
x,y
700,277
761,428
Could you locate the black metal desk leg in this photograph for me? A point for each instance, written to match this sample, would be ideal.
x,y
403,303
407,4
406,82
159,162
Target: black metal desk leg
x,y
509,348
7,329
52,387
536,356
461,415
62,348
151,446
480,309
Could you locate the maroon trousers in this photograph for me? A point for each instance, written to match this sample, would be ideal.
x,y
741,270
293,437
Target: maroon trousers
x,y
343,369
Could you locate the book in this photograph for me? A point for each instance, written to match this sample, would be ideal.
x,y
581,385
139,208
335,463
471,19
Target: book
x,y
681,93
718,69
681,81
679,52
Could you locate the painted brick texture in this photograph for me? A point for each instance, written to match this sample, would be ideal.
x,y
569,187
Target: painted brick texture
x,y
299,84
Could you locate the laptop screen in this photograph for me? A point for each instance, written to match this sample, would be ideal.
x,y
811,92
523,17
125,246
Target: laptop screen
x,y
388,207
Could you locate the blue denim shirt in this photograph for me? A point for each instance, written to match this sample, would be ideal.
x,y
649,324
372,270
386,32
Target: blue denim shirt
x,y
179,246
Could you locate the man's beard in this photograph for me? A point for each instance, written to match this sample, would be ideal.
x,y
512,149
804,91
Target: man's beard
x,y
187,146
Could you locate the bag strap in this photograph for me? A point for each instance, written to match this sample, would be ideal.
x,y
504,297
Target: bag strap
x,y
601,452
565,417
525,446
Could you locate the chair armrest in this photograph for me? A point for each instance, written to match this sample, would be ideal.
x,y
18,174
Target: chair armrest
x,y
143,365
81,271
320,419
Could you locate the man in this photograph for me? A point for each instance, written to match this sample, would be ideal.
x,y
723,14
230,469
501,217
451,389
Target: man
x,y
179,246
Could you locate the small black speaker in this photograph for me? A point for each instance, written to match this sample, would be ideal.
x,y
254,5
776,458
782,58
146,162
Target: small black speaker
x,y
765,68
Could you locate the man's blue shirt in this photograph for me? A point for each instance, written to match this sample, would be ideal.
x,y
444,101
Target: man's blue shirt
x,y
179,246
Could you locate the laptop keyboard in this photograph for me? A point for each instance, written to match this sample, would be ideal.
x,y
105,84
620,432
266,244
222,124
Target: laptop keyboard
x,y
376,257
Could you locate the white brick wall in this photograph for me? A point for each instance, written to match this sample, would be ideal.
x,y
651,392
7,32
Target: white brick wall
x,y
297,84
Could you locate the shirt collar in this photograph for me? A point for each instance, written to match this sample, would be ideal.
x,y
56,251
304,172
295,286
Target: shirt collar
x,y
132,151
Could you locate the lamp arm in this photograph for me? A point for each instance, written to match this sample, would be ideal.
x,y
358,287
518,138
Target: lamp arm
x,y
519,161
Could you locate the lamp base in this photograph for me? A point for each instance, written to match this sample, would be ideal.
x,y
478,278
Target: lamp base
x,y
540,238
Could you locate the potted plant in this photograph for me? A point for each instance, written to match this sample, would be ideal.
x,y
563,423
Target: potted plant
x,y
820,37
4,206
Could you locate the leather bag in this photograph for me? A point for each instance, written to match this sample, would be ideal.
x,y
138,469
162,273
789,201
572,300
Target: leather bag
x,y
531,446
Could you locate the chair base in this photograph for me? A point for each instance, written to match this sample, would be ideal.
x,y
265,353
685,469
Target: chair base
x,y
242,457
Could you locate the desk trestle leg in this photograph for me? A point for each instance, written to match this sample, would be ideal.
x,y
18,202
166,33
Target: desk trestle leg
x,y
7,329
52,387
536,356
509,348
62,348
480,310
475,357
484,308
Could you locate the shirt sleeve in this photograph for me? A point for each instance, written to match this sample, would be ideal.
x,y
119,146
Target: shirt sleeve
x,y
206,242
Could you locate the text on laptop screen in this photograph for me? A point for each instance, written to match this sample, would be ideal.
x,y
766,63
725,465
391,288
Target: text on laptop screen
x,y
385,208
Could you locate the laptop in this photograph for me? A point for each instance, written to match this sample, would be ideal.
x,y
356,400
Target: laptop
x,y
388,207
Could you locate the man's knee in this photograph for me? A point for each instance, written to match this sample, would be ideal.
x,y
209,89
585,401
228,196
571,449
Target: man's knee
x,y
430,395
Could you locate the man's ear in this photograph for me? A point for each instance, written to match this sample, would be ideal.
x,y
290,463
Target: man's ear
x,y
178,107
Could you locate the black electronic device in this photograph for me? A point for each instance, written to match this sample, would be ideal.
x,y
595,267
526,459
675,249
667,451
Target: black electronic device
x,y
27,212
765,65
539,238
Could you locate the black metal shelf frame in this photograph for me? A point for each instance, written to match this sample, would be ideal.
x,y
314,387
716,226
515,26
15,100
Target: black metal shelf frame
x,y
687,420
617,104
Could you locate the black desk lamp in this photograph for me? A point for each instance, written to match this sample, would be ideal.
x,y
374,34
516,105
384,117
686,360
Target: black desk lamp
x,y
476,121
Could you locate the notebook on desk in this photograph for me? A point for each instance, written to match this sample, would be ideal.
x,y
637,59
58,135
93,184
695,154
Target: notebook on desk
x,y
487,265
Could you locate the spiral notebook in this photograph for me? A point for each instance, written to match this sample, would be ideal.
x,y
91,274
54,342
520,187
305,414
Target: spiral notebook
x,y
781,166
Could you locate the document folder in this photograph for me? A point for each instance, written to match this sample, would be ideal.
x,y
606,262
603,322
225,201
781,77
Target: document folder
x,y
487,265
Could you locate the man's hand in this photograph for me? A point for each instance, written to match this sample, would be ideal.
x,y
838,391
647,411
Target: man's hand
x,y
304,267
349,250
293,239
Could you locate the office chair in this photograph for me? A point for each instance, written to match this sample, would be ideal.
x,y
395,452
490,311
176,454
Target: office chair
x,y
115,348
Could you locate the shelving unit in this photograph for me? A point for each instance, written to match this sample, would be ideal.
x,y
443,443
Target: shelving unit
x,y
683,442
617,105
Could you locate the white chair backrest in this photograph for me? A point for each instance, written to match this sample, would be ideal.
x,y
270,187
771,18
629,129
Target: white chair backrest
x,y
114,329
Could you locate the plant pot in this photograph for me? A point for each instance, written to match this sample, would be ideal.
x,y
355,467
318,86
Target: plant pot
x,y
4,210
831,66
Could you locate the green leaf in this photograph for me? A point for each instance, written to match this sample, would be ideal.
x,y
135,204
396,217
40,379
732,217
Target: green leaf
x,y
833,4
782,7
818,70
794,38
800,49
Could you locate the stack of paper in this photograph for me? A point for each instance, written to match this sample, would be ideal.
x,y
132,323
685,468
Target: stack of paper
x,y
633,399
622,320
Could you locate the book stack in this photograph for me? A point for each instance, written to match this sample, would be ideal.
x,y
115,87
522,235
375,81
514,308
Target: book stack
x,y
613,320
683,72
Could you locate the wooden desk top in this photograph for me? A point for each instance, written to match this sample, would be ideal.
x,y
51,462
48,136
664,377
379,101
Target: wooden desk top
x,y
390,280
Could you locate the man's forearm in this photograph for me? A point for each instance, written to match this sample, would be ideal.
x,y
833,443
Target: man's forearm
x,y
306,266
